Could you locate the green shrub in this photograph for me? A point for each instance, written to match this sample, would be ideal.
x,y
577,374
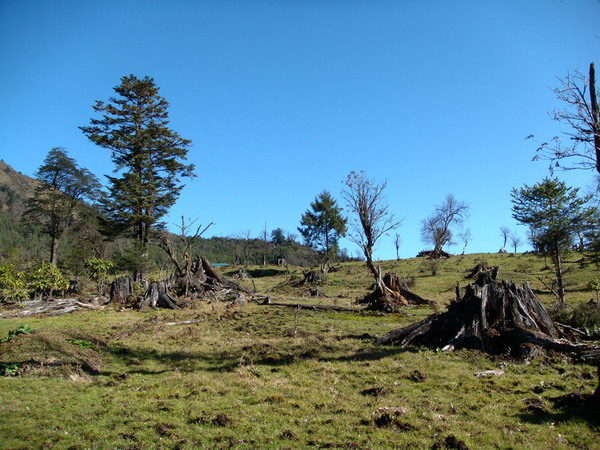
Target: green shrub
x,y
23,329
46,279
98,270
12,283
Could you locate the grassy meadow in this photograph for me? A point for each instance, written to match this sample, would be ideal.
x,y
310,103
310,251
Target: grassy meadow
x,y
263,376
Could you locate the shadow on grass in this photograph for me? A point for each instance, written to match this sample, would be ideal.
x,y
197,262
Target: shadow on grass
x,y
570,407
225,361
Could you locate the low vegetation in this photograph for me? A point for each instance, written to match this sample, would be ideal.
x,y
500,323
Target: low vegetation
x,y
256,375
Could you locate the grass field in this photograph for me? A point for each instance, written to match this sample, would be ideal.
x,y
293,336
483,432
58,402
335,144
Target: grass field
x,y
261,376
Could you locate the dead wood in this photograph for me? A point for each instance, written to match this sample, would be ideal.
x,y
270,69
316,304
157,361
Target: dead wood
x,y
482,268
313,307
492,317
391,293
50,308
121,290
157,296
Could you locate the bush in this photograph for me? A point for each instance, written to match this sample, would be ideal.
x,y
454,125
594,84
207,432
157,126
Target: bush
x,y
46,279
583,316
12,283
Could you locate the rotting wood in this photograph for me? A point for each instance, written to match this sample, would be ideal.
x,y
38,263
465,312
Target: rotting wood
x,y
492,317
50,308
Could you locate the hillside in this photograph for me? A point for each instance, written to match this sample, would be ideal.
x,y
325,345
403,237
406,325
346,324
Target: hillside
x,y
266,376
15,189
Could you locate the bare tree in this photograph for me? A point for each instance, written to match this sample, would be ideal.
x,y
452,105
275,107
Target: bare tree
x,y
178,249
370,218
581,114
505,233
436,229
515,240
397,242
465,237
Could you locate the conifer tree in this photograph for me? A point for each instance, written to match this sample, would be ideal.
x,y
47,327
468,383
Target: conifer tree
x,y
323,225
148,157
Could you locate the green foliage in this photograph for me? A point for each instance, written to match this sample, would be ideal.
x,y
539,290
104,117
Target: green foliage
x,y
46,279
98,269
12,283
323,225
62,188
554,213
22,329
9,369
82,343
147,154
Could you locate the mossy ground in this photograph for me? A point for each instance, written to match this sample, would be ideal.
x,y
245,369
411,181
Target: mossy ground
x,y
271,377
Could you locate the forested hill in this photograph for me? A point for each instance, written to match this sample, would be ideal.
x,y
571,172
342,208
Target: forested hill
x,y
15,189
30,244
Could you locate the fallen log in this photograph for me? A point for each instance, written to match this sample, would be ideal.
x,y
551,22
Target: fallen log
x,y
311,307
50,307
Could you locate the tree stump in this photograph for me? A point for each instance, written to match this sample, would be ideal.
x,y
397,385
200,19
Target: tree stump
x,y
121,290
391,293
492,317
157,296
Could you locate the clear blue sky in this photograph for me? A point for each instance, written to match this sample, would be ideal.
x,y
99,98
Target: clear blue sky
x,y
283,98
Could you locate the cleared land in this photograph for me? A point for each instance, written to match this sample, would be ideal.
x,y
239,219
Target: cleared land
x,y
275,377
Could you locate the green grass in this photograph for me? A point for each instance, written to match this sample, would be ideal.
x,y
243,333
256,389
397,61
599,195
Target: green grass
x,y
272,377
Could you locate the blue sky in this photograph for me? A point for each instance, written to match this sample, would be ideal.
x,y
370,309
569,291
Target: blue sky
x,y
283,98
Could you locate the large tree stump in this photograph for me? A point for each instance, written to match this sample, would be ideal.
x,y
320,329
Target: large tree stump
x,y
493,317
157,296
391,293
121,290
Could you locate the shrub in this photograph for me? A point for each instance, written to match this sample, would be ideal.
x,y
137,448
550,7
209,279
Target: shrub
x,y
98,270
12,283
46,279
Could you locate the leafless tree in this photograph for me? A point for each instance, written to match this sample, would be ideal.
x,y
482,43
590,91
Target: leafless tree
x,y
515,240
436,229
505,233
581,114
397,242
178,248
370,217
465,237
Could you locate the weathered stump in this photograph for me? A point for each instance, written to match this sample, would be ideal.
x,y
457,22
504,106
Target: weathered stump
x,y
121,290
157,296
492,317
391,293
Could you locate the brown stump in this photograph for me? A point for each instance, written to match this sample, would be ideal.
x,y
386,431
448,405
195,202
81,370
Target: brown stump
x,y
493,317
391,293
157,296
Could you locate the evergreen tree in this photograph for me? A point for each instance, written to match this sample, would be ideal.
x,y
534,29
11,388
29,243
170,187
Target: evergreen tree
x,y
148,157
555,215
62,188
323,225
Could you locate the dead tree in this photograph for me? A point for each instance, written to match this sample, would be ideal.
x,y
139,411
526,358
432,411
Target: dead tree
x,y
179,253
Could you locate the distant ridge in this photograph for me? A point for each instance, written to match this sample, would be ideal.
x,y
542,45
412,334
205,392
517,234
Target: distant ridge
x,y
15,190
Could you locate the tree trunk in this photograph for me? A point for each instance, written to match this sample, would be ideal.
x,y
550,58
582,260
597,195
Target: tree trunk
x,y
559,280
54,250
121,290
595,115
157,296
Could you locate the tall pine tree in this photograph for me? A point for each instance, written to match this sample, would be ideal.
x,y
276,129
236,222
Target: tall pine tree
x,y
148,156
